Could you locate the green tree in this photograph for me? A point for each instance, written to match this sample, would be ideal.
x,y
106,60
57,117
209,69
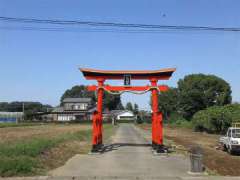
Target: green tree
x,y
135,109
168,102
78,92
216,119
199,91
112,102
109,101
129,106
30,108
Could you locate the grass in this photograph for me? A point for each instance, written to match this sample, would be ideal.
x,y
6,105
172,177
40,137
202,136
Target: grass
x,y
6,125
181,124
23,158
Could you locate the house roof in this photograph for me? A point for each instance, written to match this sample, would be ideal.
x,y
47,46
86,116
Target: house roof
x,y
61,110
77,100
118,112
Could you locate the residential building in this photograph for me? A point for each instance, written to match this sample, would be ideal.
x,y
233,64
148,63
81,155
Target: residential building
x,y
74,109
123,115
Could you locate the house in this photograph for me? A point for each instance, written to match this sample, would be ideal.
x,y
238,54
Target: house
x,y
74,109
123,115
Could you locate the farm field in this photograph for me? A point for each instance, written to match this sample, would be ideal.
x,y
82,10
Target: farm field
x,y
216,161
34,150
27,132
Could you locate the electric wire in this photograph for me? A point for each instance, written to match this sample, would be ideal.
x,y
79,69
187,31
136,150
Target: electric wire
x,y
118,27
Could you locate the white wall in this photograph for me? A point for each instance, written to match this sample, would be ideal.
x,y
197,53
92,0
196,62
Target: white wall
x,y
125,114
66,118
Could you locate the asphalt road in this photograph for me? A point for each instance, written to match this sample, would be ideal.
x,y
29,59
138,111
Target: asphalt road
x,y
130,156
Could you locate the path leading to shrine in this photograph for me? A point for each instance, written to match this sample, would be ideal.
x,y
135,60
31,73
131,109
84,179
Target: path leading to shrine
x,y
129,156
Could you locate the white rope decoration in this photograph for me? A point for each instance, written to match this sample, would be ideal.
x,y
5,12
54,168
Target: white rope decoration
x,y
121,92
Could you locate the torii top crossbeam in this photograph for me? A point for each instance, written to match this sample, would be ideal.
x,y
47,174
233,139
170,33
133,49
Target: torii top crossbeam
x,y
162,74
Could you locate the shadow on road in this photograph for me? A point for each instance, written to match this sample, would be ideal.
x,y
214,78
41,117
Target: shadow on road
x,y
116,146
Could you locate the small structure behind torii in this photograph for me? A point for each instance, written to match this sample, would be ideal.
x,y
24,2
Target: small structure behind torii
x,y
153,76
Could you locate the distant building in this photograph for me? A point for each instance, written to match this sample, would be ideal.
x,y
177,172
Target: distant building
x,y
74,109
123,115
11,117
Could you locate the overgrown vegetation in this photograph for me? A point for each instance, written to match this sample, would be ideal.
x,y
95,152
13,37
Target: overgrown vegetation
x,y
201,102
20,158
24,157
216,119
177,120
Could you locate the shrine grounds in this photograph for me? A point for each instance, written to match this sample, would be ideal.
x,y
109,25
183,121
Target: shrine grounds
x,y
36,149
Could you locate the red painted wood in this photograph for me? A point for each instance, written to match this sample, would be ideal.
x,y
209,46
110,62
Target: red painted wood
x,y
161,74
95,129
127,88
159,127
132,77
153,76
154,110
100,109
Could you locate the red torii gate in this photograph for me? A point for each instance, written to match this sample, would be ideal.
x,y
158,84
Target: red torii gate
x,y
153,76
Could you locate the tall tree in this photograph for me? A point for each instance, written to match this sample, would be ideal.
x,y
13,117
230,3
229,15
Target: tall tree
x,y
78,92
135,109
199,91
129,106
109,101
168,102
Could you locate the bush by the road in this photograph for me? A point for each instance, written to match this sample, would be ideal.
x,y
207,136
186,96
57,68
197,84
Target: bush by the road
x,y
216,119
176,120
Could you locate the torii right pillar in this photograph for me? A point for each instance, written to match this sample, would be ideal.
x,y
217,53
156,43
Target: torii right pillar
x,y
157,125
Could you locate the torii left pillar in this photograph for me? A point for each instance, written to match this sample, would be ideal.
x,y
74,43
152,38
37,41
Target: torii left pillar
x,y
98,119
157,134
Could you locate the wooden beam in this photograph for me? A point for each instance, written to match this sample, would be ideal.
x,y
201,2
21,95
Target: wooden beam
x,y
127,88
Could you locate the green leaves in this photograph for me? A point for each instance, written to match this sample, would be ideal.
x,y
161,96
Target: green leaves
x,y
195,92
199,91
216,119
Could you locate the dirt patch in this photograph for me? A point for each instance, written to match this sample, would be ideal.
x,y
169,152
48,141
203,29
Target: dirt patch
x,y
215,160
57,156
18,133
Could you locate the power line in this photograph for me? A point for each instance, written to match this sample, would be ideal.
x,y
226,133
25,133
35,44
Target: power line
x,y
89,30
117,26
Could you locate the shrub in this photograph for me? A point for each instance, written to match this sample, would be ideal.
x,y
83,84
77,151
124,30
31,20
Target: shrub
x,y
216,119
177,120
20,165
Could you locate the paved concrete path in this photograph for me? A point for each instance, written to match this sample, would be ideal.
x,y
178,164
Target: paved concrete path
x,y
129,155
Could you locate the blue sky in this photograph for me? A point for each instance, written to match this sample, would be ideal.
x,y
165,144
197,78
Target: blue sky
x,y
41,65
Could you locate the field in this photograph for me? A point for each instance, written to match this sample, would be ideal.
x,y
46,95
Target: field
x,y
217,161
34,150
